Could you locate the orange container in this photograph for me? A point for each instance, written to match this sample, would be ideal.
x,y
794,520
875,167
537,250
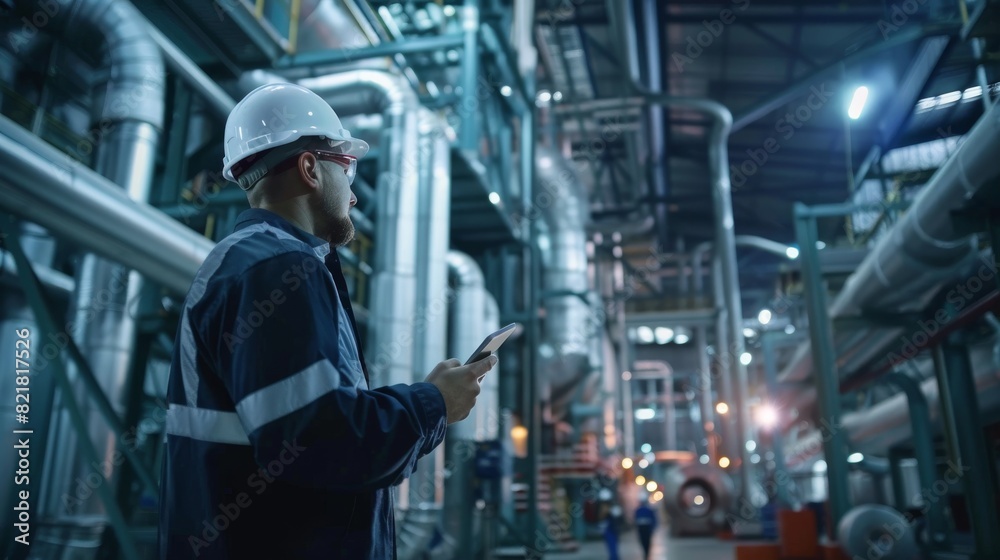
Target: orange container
x,y
797,535
758,551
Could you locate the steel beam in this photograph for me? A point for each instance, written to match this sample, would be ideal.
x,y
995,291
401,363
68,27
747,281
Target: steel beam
x,y
923,445
834,70
976,466
824,365
329,57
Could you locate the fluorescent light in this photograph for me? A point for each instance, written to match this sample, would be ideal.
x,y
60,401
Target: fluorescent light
x,y
792,253
858,102
764,317
646,448
449,10
755,458
949,98
855,458
557,96
749,333
664,335
644,414
640,480
751,445
494,198
820,245
704,459
644,334
651,486
746,358
682,338
544,96
973,92
789,328
506,91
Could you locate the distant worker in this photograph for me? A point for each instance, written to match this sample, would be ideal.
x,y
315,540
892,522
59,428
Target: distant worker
x,y
645,524
610,526
277,447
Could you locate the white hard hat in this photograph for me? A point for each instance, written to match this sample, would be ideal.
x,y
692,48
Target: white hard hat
x,y
277,115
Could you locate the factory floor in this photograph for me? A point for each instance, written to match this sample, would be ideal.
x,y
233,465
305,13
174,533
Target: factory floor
x,y
665,547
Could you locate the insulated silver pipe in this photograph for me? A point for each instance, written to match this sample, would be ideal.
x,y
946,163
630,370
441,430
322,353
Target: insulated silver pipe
x,y
875,429
467,331
569,324
395,277
433,225
422,500
47,187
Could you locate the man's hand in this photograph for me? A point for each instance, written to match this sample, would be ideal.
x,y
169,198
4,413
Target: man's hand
x,y
459,385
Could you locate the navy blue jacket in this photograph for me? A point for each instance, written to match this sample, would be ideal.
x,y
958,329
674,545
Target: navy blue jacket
x,y
276,446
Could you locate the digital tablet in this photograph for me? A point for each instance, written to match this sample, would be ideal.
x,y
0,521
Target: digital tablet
x,y
491,343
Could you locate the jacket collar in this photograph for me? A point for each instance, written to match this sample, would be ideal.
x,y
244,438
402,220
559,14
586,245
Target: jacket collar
x,y
257,215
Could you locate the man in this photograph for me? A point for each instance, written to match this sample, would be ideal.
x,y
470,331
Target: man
x,y
645,523
276,445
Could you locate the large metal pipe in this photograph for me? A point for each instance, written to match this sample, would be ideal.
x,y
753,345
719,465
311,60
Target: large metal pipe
x,y
886,423
568,324
395,277
47,187
622,18
919,255
422,502
467,331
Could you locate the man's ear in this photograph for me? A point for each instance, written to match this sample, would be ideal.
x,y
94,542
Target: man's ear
x,y
309,170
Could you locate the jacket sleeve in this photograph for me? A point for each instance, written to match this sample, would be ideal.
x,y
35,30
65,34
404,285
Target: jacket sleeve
x,y
298,387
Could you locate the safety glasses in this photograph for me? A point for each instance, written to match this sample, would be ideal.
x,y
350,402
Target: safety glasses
x,y
349,163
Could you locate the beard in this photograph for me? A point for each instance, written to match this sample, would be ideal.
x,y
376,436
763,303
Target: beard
x,y
341,231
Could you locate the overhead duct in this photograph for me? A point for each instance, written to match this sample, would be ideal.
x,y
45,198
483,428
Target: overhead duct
x,y
917,257
568,325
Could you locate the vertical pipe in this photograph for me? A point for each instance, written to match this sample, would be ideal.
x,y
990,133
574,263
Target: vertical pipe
x,y
467,330
705,386
777,443
899,498
723,363
824,365
433,224
532,300
392,312
657,163
976,466
469,133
